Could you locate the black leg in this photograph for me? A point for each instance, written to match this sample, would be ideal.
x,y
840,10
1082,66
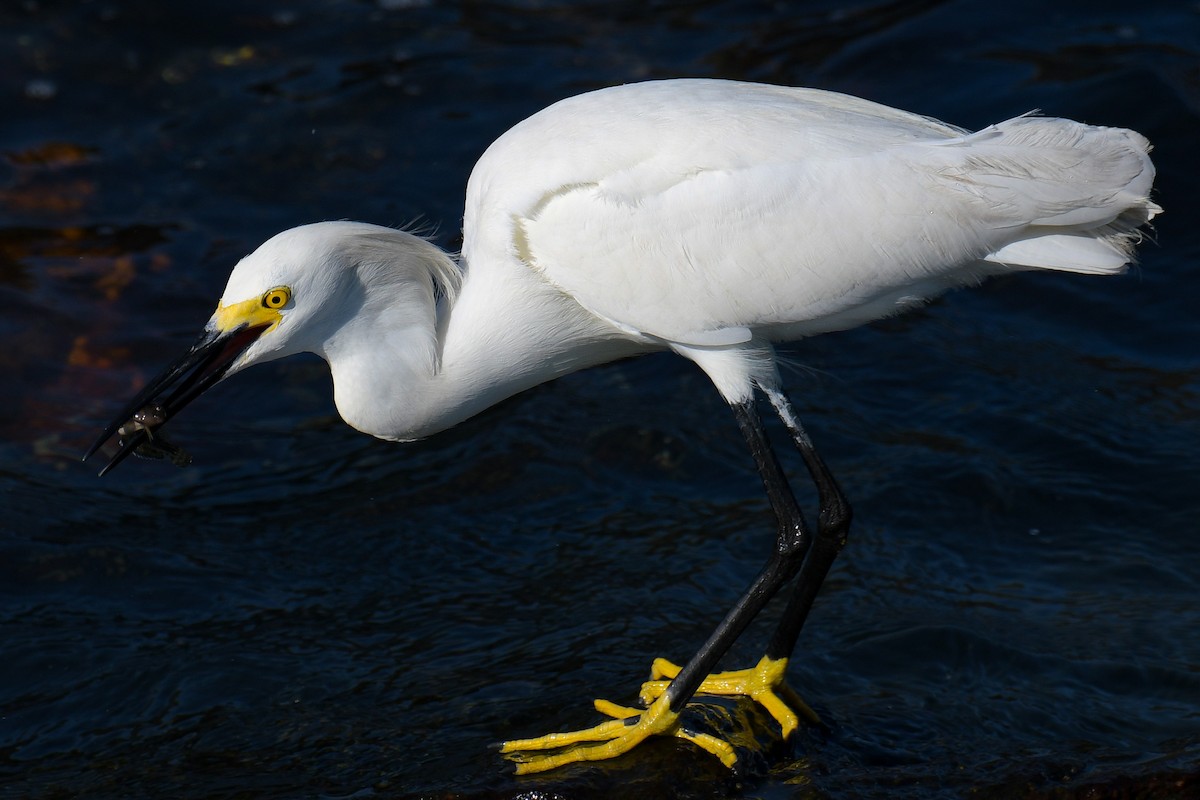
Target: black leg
x,y
833,528
792,542
796,555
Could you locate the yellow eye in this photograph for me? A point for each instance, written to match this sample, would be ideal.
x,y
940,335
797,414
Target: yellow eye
x,y
277,297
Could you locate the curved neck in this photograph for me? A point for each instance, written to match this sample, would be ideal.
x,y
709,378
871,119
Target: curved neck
x,y
506,331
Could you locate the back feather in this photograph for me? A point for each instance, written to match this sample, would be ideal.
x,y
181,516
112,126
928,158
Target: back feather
x,y
1074,195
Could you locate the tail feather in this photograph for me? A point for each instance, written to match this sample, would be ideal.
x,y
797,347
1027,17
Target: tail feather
x,y
1061,195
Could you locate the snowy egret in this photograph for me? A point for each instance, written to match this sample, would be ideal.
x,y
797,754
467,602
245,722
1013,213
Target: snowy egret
x,y
705,217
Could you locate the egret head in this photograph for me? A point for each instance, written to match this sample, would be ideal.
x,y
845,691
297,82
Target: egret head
x,y
294,294
282,298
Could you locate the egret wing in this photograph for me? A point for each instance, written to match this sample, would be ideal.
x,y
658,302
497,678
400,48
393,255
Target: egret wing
x,y
704,214
679,209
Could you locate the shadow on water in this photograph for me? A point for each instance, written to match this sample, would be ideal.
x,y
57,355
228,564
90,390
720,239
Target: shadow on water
x,y
308,612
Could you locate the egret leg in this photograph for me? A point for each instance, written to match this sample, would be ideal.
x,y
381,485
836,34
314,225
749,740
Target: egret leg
x,y
765,682
833,530
792,542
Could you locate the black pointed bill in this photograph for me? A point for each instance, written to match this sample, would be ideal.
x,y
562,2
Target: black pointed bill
x,y
187,378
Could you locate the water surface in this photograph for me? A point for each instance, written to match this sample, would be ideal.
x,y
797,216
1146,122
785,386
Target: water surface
x,y
309,612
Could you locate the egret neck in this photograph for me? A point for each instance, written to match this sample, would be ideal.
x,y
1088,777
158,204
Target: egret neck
x,y
406,370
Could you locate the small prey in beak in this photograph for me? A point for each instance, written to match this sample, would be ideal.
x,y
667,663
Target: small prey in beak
x,y
187,378
148,419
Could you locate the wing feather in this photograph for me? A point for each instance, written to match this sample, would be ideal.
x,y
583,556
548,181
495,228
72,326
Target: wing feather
x,y
706,212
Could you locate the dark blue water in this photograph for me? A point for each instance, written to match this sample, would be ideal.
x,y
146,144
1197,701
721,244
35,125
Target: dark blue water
x,y
307,612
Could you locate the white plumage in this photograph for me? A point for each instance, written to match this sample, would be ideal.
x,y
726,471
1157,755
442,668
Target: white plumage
x,y
705,217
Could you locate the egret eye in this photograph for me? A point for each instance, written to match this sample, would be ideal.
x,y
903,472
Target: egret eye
x,y
277,297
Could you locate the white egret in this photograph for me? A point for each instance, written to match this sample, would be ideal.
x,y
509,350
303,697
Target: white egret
x,y
706,217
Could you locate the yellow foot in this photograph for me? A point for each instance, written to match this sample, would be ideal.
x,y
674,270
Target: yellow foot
x,y
763,683
628,728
